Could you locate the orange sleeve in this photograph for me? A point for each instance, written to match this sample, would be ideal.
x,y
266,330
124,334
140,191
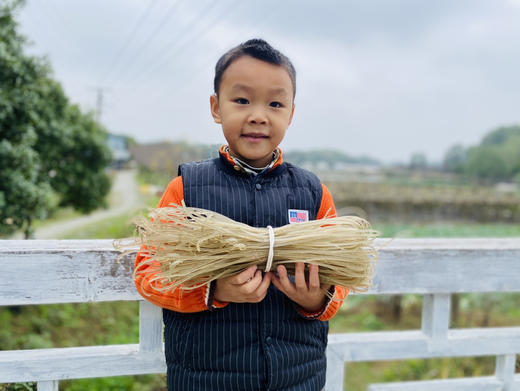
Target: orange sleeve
x,y
195,300
327,210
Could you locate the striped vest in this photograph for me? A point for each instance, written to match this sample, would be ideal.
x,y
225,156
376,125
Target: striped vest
x,y
247,346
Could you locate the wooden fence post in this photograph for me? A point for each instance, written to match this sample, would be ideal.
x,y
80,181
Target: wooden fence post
x,y
150,327
51,385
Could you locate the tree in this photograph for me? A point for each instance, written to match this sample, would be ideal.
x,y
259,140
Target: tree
x,y
501,135
486,162
454,159
497,157
50,153
78,161
418,161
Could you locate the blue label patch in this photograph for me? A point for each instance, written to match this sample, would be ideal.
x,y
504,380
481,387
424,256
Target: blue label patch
x,y
298,216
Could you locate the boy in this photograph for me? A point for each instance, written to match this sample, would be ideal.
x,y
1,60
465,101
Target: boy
x,y
254,330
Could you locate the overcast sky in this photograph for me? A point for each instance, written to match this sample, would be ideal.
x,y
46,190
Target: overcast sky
x,y
383,78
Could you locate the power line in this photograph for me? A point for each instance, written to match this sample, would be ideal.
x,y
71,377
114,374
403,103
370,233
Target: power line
x,y
188,80
58,15
176,48
166,17
130,38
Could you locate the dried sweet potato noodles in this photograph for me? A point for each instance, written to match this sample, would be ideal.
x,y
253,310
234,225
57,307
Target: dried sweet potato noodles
x,y
189,247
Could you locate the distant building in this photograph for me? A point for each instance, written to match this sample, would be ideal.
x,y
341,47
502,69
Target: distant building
x,y
120,153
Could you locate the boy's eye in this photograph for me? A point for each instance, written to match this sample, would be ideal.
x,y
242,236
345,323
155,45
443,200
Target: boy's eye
x,y
242,101
275,104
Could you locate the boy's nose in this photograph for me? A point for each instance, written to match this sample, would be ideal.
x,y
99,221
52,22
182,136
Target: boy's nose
x,y
257,117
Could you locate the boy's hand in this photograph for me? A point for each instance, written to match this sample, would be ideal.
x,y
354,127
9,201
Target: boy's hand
x,y
245,287
308,294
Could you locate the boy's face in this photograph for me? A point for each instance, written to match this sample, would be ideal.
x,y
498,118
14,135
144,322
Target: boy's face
x,y
255,107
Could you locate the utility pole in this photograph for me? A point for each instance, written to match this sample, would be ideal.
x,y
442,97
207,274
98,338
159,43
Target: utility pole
x,y
100,102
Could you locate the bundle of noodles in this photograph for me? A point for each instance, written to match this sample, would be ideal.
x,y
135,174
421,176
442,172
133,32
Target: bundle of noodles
x,y
189,247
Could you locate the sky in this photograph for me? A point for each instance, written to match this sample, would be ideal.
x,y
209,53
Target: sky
x,y
385,78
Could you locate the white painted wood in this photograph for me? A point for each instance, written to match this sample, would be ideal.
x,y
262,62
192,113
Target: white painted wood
x,y
436,315
446,269
335,371
47,385
150,327
467,384
516,383
397,345
51,271
505,370
448,244
65,271
61,271
79,362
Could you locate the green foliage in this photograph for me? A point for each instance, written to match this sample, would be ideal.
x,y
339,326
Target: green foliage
x,y
501,135
119,383
486,162
23,195
18,387
158,178
50,153
454,159
497,157
418,161
113,228
77,161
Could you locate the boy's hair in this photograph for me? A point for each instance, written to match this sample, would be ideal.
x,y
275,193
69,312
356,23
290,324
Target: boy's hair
x,y
256,48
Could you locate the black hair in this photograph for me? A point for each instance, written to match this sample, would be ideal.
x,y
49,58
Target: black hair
x,y
256,48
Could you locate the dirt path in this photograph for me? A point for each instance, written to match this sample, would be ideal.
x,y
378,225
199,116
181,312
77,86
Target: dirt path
x,y
124,190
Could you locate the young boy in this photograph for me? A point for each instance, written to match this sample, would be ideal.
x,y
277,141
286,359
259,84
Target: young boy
x,y
254,330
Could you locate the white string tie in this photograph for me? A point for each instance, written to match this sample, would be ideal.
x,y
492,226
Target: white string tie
x,y
271,249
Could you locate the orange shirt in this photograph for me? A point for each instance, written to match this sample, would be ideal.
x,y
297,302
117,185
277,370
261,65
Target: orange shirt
x,y
196,300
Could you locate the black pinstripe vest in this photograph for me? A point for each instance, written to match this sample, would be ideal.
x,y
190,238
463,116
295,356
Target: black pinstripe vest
x,y
264,346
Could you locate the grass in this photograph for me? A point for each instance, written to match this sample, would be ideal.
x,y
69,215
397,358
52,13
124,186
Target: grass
x,y
113,228
62,214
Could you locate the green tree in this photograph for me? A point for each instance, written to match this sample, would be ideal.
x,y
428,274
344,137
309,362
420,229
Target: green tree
x,y
50,153
486,162
454,159
501,135
498,155
24,195
418,161
76,161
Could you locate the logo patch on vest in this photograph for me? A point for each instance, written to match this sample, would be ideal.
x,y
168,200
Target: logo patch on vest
x,y
298,216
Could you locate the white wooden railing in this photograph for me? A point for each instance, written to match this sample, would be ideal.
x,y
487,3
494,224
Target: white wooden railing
x,y
45,272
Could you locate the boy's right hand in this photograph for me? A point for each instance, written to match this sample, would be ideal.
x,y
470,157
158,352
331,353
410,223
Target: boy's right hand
x,y
246,287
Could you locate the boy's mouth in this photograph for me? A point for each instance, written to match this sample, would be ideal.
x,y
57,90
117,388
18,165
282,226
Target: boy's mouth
x,y
255,136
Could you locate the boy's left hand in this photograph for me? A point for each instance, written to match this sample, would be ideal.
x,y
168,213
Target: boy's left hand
x,y
308,294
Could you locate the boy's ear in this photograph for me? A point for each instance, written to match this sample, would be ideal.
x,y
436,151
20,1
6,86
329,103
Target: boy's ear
x,y
292,113
215,108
